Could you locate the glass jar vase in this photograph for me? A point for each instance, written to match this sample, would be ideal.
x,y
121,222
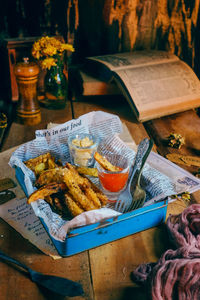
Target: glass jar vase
x,y
55,88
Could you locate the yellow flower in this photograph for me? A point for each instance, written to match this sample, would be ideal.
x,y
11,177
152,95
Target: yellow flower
x,y
36,50
47,63
47,49
67,47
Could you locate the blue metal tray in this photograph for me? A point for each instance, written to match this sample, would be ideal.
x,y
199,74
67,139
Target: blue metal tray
x,y
90,236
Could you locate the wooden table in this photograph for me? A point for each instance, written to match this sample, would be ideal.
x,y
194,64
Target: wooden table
x,y
104,271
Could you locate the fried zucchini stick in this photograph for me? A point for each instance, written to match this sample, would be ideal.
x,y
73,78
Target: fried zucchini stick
x,y
105,163
85,186
79,179
49,176
103,198
46,191
76,192
92,196
87,171
73,207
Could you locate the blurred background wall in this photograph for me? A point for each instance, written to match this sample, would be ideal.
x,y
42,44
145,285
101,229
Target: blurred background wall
x,y
108,26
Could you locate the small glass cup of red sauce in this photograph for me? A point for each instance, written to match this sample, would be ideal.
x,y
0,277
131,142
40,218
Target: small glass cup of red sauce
x,y
113,183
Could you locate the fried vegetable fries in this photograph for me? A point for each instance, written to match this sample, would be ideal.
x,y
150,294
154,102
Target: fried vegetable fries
x,y
105,163
67,191
43,162
49,176
87,171
46,191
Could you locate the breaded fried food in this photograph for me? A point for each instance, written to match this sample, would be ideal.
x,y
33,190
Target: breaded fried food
x,y
64,205
49,176
87,171
58,204
105,163
40,163
102,198
73,207
92,196
80,180
71,193
85,186
76,192
46,191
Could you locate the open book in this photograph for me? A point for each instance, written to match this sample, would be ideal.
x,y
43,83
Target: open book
x,y
155,83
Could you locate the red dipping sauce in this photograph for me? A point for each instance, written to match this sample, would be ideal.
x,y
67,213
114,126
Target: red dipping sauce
x,y
113,182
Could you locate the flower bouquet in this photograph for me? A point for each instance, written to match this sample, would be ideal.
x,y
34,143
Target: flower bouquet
x,y
49,51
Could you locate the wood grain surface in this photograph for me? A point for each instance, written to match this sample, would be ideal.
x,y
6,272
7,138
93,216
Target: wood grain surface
x,y
105,271
187,124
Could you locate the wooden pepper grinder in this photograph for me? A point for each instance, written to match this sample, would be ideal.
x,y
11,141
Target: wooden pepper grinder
x,y
28,110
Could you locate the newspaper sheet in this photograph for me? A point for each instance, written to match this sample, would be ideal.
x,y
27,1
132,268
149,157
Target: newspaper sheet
x,y
160,177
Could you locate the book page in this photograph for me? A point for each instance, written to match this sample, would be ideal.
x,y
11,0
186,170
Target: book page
x,y
127,60
159,86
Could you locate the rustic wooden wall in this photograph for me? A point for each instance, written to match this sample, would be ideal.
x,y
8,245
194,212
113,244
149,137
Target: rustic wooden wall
x,y
125,25
108,26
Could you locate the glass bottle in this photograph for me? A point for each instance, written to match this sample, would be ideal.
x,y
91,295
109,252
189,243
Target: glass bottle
x,y
55,88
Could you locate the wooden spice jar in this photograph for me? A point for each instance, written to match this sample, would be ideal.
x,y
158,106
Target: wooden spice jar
x,y
28,110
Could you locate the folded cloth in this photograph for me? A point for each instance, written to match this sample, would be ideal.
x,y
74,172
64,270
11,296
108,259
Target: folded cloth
x,y
177,273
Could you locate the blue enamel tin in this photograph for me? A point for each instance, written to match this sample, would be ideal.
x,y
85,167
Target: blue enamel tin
x,y
90,236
